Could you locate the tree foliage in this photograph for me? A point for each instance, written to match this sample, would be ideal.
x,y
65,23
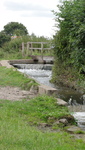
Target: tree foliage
x,y
13,28
70,37
4,38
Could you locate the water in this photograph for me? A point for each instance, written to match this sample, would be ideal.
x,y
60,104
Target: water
x,y
34,66
80,118
44,76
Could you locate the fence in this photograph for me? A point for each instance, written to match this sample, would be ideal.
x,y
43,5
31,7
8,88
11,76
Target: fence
x,y
30,47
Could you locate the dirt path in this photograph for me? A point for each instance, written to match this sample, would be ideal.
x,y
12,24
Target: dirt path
x,y
5,63
15,94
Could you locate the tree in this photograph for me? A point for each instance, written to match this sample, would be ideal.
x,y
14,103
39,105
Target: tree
x,y
13,28
70,37
4,38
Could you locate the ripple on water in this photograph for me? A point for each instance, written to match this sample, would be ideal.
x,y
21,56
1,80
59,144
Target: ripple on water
x,y
80,118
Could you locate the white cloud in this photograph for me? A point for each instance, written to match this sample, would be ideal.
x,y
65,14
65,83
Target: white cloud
x,y
36,15
45,14
18,6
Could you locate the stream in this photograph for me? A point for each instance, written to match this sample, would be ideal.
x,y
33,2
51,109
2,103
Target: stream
x,y
76,101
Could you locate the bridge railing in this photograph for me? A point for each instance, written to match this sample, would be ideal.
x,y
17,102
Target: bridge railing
x,y
41,48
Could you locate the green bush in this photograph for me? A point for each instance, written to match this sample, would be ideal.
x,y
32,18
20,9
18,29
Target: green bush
x,y
70,39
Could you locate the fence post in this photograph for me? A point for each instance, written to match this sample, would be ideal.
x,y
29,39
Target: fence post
x,y
50,49
31,46
27,52
22,49
42,50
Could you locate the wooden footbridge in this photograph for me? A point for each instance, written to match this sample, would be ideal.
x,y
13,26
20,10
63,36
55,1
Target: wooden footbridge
x,y
37,48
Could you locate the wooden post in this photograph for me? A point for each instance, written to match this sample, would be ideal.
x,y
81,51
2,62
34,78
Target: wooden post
x,y
31,48
22,49
27,52
51,49
42,50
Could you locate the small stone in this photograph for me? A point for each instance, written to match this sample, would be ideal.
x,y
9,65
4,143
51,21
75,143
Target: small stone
x,y
56,123
43,125
73,129
64,121
61,102
51,118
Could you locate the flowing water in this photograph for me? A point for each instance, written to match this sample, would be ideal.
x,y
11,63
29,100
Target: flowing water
x,y
42,74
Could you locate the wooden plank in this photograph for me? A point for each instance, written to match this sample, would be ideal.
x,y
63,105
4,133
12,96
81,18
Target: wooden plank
x,y
40,48
35,48
39,42
47,48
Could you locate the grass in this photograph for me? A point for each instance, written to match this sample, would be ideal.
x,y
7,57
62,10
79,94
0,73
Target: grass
x,y
45,53
17,134
17,54
20,120
41,109
9,77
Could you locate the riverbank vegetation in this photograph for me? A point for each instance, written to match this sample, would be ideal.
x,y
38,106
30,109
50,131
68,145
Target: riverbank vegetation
x,y
31,124
69,42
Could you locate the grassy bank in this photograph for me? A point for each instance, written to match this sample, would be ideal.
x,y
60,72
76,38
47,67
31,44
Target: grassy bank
x,y
16,133
9,77
21,122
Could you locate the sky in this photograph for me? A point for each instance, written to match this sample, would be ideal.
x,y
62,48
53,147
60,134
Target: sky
x,y
35,15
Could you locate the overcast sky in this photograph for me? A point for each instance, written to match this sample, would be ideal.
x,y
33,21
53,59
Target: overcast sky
x,y
35,15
